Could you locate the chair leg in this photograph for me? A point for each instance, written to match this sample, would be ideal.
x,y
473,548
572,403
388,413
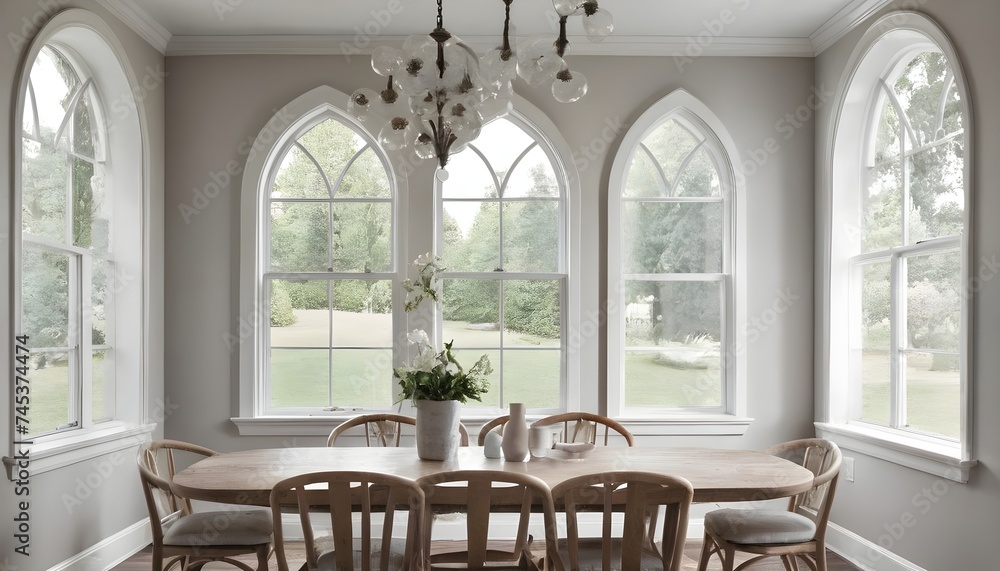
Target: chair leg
x,y
263,554
789,562
728,559
706,552
821,559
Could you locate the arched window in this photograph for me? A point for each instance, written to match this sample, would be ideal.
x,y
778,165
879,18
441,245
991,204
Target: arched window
x,y
502,215
79,264
66,261
327,223
900,247
327,269
671,266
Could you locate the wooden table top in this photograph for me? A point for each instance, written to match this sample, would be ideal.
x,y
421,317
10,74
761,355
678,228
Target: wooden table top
x,y
717,475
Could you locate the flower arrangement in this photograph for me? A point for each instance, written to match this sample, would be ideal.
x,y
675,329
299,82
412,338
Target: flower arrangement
x,y
427,285
436,375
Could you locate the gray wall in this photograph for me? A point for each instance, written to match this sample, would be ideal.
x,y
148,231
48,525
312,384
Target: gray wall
x,y
116,503
956,532
215,103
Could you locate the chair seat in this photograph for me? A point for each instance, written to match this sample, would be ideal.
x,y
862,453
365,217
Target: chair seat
x,y
250,527
760,527
327,559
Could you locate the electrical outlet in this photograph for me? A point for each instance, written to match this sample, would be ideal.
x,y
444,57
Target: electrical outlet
x,y
849,468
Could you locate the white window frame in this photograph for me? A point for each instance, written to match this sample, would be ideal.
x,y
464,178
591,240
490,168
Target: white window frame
x,y
561,274
890,39
274,140
80,260
90,45
245,336
731,417
294,136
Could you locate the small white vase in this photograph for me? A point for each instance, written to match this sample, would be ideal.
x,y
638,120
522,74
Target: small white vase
x,y
515,435
437,429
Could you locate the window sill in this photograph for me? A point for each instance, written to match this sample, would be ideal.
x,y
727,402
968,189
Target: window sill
x,y
701,425
57,451
688,425
318,425
937,459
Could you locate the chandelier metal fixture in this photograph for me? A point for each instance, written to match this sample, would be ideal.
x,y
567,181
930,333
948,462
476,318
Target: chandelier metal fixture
x,y
439,93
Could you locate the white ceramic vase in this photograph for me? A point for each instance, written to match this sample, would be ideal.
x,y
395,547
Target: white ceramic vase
x,y
437,429
515,435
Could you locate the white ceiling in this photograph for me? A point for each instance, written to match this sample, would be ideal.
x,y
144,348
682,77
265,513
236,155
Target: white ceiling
x,y
653,26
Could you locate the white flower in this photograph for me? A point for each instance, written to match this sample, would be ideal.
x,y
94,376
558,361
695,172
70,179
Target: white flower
x,y
425,360
419,337
424,260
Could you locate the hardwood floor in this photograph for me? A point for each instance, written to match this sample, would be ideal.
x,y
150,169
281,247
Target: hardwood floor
x,y
141,561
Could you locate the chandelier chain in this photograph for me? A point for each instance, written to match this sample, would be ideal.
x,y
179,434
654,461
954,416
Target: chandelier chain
x,y
439,93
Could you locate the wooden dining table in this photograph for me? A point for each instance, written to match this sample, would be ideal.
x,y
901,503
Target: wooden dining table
x,y
717,475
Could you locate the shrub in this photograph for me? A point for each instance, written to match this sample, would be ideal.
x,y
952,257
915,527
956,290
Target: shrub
x,y
308,294
281,306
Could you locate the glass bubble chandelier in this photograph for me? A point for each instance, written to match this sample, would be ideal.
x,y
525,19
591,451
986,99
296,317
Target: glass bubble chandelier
x,y
439,93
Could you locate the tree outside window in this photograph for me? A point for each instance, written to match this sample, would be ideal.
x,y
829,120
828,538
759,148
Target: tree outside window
x,y
674,264
501,239
329,272
906,273
67,266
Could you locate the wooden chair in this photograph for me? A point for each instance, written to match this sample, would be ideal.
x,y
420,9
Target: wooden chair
x,y
497,424
194,539
636,494
799,531
340,495
584,427
484,492
383,429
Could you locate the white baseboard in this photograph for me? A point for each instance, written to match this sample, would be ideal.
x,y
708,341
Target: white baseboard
x,y
863,553
111,551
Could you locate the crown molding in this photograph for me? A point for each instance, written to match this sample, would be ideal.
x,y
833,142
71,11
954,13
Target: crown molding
x,y
825,36
140,21
348,45
845,20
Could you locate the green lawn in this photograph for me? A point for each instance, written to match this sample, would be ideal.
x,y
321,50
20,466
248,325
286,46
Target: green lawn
x,y
531,373
363,378
933,397
652,384
49,404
